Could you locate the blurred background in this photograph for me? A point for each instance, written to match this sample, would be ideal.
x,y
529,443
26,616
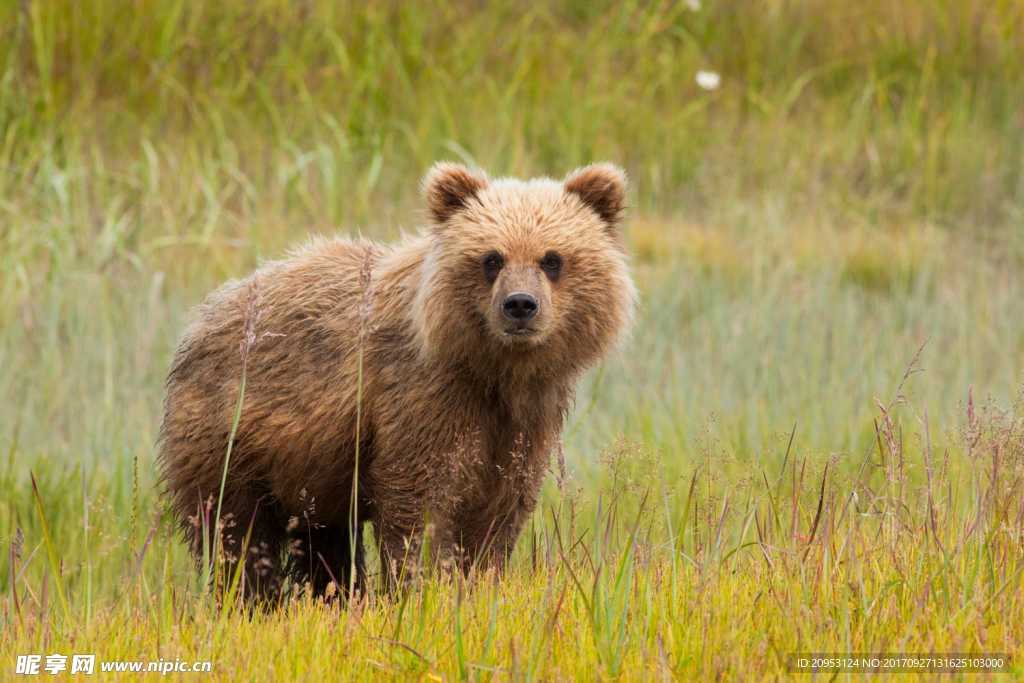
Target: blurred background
x,y
818,189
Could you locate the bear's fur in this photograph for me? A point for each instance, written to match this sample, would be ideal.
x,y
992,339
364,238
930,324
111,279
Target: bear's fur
x,y
457,406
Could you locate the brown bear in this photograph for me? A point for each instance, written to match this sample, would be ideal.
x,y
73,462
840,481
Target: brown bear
x,y
420,386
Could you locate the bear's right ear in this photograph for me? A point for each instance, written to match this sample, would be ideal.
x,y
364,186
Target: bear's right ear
x,y
448,187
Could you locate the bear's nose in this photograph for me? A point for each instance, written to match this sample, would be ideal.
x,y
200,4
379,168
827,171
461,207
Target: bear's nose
x,y
519,307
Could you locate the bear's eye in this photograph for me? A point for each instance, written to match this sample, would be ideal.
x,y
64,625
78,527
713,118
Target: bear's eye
x,y
551,264
493,263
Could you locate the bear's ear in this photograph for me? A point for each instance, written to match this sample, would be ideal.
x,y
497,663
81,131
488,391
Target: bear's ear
x,y
602,187
447,188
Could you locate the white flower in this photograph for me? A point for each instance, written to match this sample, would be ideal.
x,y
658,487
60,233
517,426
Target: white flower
x,y
709,80
693,5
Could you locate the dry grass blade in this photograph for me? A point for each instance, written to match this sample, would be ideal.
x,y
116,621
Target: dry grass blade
x,y
51,551
817,514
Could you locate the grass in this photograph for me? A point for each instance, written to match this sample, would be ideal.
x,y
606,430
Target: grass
x,y
747,479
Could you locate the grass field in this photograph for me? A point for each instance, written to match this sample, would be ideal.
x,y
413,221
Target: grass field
x,y
814,440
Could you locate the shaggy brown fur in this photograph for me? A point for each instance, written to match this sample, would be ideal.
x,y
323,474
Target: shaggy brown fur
x,y
457,405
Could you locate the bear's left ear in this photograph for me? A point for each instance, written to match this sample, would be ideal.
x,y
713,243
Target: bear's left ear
x,y
602,187
447,187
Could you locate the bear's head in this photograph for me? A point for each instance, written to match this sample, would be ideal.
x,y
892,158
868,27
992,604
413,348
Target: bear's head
x,y
524,276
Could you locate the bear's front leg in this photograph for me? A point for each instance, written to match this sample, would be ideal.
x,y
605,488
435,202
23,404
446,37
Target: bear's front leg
x,y
424,466
413,531
490,533
498,548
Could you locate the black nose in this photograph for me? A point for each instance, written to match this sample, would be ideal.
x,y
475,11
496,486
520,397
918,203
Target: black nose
x,y
520,307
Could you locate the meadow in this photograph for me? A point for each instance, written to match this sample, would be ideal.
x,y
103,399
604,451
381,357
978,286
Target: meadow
x,y
812,442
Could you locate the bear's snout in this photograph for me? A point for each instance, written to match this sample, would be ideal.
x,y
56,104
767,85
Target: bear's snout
x,y
520,307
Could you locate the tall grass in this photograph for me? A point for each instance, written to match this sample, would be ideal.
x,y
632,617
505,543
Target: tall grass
x,y
664,571
874,107
744,479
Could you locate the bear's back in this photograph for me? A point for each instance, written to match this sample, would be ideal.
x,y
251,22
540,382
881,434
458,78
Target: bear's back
x,y
296,323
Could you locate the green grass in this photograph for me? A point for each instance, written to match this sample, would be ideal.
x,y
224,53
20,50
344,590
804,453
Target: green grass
x,y
852,191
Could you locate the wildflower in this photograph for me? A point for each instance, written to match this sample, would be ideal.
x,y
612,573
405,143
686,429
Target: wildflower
x,y
708,80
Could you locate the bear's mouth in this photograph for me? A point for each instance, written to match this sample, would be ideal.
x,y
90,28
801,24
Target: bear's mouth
x,y
519,332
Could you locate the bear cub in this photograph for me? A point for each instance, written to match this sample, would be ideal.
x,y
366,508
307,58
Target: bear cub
x,y
419,387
